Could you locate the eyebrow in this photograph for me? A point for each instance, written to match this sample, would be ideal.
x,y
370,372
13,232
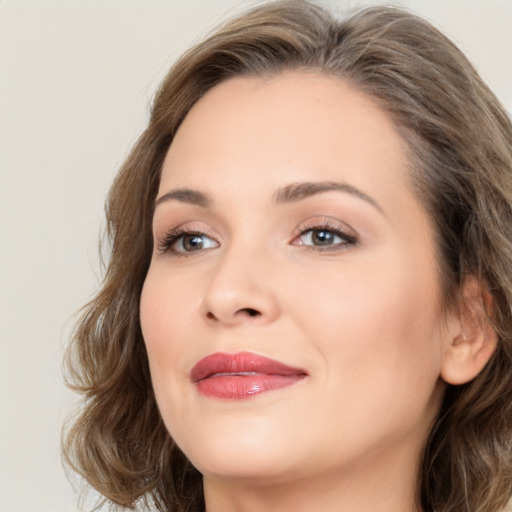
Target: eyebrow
x,y
298,191
288,194
185,195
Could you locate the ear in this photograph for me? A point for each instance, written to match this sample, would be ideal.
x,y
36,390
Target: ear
x,y
475,339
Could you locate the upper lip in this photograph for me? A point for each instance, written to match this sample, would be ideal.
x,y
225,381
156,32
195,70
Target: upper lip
x,y
240,363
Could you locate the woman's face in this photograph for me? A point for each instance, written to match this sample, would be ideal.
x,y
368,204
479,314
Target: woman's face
x,y
286,229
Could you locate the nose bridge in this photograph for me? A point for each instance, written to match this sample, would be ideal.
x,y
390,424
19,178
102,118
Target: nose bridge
x,y
240,288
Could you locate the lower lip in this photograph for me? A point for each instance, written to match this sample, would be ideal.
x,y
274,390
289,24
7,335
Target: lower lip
x,y
239,387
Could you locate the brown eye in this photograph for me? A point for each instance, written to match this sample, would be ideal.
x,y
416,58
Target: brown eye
x,y
323,237
188,242
192,242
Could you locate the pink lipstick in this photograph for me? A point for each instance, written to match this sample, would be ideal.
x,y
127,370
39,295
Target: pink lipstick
x,y
241,375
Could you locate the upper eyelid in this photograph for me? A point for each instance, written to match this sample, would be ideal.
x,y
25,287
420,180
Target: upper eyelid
x,y
298,230
201,228
193,226
327,223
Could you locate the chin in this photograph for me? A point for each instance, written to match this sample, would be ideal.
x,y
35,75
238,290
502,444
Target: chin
x,y
243,451
239,463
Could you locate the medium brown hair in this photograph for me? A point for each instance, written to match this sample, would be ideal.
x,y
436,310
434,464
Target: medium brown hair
x,y
460,155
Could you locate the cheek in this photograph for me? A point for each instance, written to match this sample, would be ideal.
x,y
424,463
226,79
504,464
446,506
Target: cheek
x,y
166,309
166,306
377,331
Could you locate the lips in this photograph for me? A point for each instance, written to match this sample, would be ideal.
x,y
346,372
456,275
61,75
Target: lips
x,y
241,375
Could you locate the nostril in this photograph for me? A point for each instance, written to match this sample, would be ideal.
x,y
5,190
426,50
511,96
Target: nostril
x,y
248,312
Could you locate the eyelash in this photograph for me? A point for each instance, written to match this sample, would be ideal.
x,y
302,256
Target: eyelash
x,y
328,227
174,235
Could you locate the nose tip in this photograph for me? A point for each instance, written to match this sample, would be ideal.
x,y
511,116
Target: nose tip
x,y
240,291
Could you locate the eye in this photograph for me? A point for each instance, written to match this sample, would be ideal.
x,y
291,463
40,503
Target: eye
x,y
320,237
324,237
186,242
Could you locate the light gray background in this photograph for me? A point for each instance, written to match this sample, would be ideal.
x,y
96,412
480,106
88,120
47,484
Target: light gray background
x,y
76,79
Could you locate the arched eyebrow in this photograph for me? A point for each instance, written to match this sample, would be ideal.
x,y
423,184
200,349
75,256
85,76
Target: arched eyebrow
x,y
298,191
288,194
185,195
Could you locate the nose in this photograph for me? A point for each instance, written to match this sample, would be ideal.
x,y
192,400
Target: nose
x,y
240,291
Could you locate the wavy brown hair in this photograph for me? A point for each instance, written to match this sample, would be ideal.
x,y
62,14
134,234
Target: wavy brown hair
x,y
460,157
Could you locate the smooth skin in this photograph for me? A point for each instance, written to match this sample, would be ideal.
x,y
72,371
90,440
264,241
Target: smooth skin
x,y
338,277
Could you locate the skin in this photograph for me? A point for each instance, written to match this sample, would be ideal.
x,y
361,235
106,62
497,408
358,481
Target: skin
x,y
363,319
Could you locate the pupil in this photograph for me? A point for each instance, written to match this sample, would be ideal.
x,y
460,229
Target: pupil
x,y
323,237
192,242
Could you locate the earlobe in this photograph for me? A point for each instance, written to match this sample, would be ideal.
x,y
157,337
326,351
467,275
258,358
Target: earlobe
x,y
475,341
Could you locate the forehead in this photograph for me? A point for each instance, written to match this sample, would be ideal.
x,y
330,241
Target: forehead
x,y
287,128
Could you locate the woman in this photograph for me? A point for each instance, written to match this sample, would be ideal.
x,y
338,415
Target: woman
x,y
308,300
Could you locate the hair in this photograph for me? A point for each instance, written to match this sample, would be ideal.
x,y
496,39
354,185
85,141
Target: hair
x,y
459,140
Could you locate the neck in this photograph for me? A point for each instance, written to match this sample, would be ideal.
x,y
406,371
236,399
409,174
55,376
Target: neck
x,y
386,485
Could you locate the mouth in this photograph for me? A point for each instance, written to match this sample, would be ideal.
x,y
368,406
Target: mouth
x,y
241,375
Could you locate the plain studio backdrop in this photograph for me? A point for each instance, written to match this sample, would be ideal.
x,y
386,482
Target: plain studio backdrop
x,y
76,81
